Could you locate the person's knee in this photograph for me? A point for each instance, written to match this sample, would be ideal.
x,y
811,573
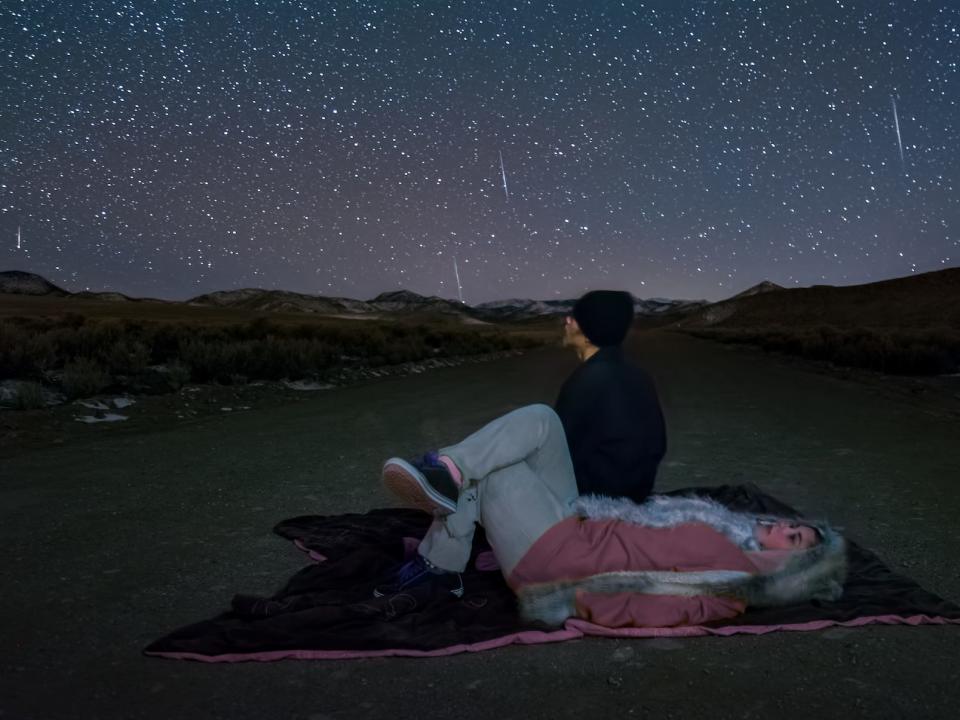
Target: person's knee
x,y
539,418
544,414
543,411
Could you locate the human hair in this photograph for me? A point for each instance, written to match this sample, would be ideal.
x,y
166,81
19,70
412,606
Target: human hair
x,y
817,531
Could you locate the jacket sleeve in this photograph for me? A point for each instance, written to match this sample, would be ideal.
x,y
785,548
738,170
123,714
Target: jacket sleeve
x,y
582,409
638,610
577,401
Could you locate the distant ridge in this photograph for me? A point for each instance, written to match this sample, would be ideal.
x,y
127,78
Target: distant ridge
x,y
761,287
110,297
407,301
917,301
395,302
516,308
281,301
17,282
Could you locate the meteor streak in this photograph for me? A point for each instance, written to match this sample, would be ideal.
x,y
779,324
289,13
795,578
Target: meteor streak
x,y
503,174
18,237
896,126
456,272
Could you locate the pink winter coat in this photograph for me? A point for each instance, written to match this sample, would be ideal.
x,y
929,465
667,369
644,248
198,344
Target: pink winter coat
x,y
578,548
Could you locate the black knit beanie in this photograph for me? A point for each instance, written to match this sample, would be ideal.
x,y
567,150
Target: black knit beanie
x,y
604,316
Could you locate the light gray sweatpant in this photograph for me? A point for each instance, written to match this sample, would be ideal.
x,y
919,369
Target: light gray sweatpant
x,y
518,483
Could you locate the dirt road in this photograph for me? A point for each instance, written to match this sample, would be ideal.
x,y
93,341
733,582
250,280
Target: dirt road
x,y
112,541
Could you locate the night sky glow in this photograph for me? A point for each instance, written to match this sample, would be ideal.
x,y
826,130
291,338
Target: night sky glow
x,y
674,149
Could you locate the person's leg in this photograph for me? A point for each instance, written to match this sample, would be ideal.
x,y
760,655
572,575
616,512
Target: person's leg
x,y
516,508
449,540
518,482
533,435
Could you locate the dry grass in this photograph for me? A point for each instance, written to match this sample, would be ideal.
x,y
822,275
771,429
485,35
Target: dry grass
x,y
86,354
28,396
84,377
934,351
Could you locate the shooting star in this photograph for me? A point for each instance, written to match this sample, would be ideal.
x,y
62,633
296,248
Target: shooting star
x,y
456,272
896,126
18,237
503,174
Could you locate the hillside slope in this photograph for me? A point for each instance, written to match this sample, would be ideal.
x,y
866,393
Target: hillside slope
x,y
17,282
927,300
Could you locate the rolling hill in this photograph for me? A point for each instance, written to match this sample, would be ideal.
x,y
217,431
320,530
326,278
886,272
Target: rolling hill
x,y
918,301
394,303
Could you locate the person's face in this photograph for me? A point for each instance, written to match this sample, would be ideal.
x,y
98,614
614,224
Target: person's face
x,y
571,331
785,535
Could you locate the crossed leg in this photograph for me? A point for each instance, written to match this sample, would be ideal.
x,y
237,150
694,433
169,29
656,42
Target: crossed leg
x,y
518,482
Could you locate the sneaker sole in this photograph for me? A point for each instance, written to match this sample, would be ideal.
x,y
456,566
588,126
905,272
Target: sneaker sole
x,y
409,485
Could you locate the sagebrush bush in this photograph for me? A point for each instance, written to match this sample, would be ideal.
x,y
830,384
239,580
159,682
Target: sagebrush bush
x,y
935,351
178,374
84,377
28,396
90,355
16,352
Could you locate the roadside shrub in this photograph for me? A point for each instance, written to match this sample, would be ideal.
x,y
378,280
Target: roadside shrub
x,y
89,355
21,353
125,357
208,361
30,356
73,320
257,329
165,339
178,373
28,396
899,352
10,333
83,377
97,338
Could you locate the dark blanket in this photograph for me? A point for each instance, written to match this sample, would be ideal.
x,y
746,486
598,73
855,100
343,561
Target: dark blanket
x,y
327,610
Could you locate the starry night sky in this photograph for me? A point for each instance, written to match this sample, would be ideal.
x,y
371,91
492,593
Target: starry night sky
x,y
674,149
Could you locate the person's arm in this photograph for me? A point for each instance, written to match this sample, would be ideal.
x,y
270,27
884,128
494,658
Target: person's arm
x,y
639,610
580,409
577,401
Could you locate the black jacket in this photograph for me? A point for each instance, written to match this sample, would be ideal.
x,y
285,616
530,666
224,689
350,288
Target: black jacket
x,y
614,426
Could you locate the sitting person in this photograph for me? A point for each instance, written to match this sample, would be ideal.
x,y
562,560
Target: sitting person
x,y
669,561
609,407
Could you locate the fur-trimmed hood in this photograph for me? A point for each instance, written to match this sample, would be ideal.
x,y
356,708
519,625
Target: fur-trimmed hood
x,y
816,573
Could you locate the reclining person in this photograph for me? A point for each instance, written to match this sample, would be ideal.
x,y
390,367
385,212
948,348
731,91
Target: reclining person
x,y
668,561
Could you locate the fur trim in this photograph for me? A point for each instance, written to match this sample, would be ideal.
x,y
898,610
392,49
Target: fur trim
x,y
553,603
661,511
814,574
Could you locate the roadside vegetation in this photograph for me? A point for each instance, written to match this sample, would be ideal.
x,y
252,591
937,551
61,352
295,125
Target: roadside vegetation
x,y
895,351
82,357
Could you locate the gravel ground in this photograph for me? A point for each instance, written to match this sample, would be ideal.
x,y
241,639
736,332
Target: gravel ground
x,y
112,538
